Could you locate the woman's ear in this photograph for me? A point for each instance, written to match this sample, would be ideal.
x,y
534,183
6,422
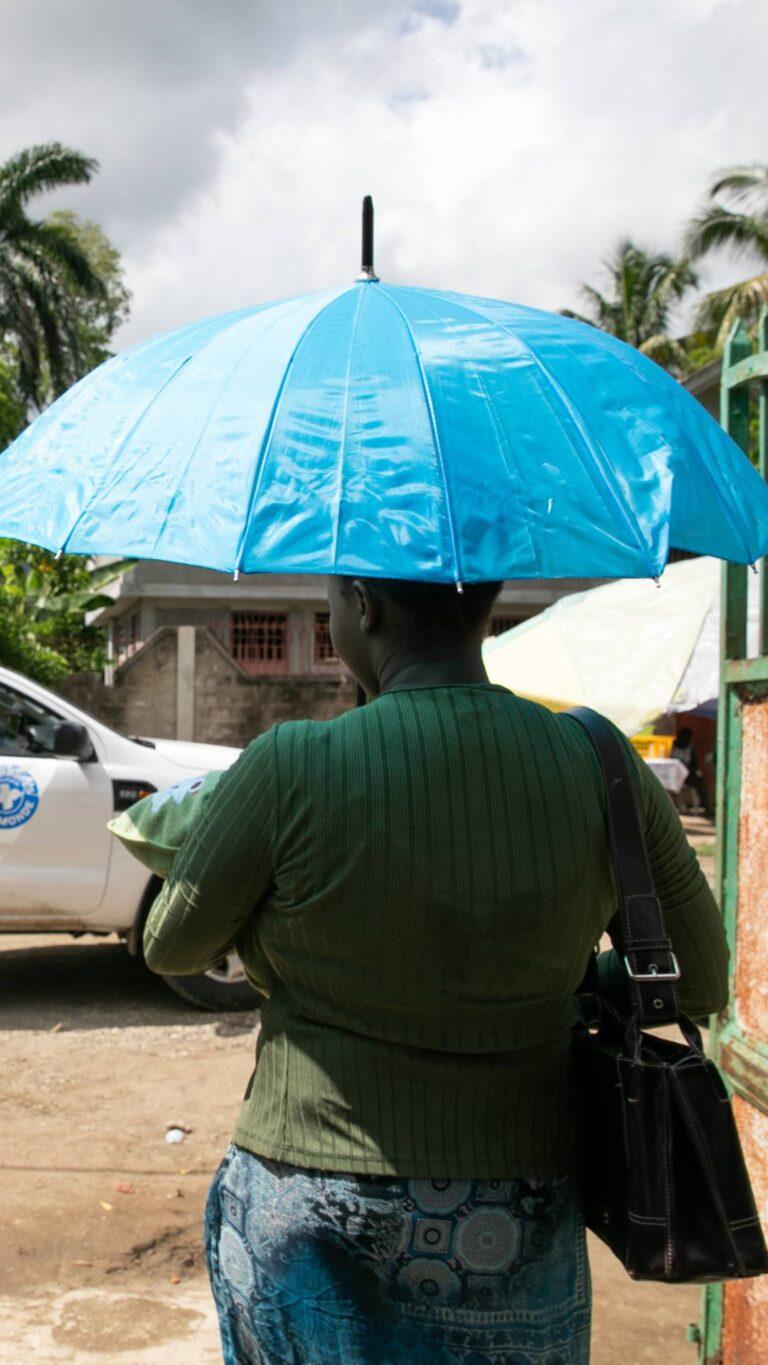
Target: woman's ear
x,y
368,606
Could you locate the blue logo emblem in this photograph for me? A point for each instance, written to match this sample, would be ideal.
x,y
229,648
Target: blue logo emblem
x,y
19,797
189,787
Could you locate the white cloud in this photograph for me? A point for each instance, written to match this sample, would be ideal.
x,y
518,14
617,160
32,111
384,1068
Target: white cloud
x,y
507,146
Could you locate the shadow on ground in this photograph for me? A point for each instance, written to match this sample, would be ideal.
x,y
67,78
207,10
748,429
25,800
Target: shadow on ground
x,y
51,981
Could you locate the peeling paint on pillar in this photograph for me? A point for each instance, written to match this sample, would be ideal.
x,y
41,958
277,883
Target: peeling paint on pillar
x,y
745,1308
745,1302
751,982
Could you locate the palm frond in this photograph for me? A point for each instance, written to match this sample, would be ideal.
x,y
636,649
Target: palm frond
x,y
18,319
45,166
717,226
717,312
741,182
49,244
577,317
602,312
665,350
41,318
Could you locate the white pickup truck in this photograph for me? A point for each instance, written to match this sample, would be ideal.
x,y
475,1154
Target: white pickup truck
x,y
62,777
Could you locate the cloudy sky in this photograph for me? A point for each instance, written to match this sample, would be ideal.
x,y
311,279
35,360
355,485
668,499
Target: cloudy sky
x,y
508,144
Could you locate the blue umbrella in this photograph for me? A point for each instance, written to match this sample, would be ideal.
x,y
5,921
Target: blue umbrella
x,y
387,431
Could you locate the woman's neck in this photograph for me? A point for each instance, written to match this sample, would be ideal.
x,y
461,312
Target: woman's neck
x,y
464,667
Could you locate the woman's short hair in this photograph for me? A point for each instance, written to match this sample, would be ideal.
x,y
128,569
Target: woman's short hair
x,y
437,613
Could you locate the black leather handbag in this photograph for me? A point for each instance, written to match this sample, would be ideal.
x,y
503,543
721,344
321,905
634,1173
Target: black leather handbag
x,y
665,1184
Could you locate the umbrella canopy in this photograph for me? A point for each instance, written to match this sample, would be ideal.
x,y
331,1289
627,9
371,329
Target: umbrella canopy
x,y
385,431
628,649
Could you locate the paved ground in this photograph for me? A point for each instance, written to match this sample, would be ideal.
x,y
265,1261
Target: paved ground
x,y
100,1217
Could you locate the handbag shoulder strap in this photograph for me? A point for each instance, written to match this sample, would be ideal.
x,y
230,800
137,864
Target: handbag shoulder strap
x,y
651,964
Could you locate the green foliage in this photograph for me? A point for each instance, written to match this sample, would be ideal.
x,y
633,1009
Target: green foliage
x,y
700,350
97,317
20,650
42,605
62,296
642,289
12,407
734,219
61,290
745,300
744,230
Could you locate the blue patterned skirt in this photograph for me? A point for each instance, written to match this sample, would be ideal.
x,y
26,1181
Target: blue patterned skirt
x,y
309,1266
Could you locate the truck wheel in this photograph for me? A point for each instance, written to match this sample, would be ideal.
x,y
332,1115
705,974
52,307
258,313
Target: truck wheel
x,y
224,987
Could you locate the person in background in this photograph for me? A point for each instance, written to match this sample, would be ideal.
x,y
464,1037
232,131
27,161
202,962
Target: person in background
x,y
416,887
683,749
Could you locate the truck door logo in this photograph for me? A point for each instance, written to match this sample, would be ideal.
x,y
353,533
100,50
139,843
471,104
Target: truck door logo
x,y
19,797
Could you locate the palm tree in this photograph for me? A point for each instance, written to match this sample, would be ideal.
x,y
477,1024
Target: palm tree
x,y
740,226
643,288
43,269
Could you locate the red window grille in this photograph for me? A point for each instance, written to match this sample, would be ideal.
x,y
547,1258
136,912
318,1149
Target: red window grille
x,y
259,641
498,624
324,650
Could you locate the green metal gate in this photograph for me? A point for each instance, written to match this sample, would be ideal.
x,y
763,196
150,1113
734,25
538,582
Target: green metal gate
x,y
735,1316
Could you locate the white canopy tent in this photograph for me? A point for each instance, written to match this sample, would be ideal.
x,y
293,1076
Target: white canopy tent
x,y
630,649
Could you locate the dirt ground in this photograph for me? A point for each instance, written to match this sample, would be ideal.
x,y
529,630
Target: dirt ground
x,y
100,1217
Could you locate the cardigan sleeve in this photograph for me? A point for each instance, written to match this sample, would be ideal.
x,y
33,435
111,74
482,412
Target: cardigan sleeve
x,y
694,922
221,873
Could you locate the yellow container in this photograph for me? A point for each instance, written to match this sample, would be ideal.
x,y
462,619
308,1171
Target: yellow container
x,y
653,746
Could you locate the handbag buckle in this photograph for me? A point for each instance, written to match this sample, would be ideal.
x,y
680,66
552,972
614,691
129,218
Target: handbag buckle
x,y
654,973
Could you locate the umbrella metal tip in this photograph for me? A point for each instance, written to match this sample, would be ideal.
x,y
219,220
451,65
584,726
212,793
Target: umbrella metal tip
x,y
367,271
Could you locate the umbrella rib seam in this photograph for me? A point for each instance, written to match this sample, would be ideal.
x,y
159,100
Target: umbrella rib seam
x,y
125,357
731,510
570,407
206,422
343,438
263,454
510,462
438,449
124,441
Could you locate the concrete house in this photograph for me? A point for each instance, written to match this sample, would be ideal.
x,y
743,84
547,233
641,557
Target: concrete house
x,y
193,654
270,625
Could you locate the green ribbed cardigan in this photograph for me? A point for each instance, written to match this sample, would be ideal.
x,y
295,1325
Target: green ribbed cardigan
x,y
416,886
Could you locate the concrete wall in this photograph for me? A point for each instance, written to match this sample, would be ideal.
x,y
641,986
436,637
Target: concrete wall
x,y
227,706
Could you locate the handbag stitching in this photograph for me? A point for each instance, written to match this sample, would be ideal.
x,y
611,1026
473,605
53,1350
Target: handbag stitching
x,y
668,1244
714,1188
722,1099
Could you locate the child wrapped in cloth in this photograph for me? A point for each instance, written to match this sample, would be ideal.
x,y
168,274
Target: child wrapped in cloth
x,y
154,829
